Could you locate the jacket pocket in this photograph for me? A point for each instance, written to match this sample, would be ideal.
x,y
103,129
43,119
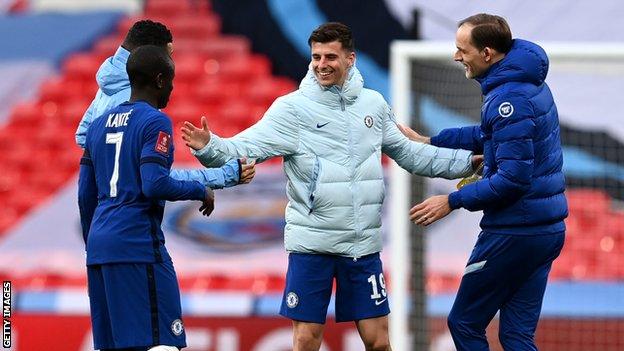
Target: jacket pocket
x,y
314,180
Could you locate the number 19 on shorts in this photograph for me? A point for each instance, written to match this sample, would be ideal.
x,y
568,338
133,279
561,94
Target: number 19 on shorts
x,y
375,285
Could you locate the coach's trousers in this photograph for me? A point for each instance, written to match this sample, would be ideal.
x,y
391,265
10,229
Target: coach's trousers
x,y
506,273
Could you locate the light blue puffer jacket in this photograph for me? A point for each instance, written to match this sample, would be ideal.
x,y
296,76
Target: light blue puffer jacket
x,y
331,140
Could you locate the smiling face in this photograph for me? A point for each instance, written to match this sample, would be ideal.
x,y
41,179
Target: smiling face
x,y
331,62
476,62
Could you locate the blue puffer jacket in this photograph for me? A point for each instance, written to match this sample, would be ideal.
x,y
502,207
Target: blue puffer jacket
x,y
522,190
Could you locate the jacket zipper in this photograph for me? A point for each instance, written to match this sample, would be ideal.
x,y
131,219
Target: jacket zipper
x,y
353,184
316,171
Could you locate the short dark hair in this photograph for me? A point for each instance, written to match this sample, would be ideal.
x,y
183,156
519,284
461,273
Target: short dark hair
x,y
489,31
146,62
147,32
332,31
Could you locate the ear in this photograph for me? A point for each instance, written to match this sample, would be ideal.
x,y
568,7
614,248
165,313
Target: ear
x,y
351,59
160,82
487,54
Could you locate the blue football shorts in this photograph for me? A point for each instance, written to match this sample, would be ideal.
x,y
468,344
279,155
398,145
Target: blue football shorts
x,y
135,305
360,288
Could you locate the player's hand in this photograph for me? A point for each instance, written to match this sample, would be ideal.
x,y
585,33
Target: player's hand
x,y
413,135
208,204
430,210
248,171
194,137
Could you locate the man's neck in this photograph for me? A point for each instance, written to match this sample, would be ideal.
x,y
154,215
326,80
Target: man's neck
x,y
140,96
497,57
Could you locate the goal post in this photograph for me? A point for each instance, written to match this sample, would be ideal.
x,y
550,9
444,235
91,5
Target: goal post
x,y
430,92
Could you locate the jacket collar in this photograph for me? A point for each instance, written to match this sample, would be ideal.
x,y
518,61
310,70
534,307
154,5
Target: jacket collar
x,y
525,62
333,96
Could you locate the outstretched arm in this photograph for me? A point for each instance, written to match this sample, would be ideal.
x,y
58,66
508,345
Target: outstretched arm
x,y
276,134
514,168
467,138
232,173
423,159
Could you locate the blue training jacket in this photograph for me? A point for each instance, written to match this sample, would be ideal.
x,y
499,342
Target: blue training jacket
x,y
522,190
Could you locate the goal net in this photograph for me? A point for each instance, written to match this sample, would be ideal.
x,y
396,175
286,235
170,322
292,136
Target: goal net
x,y
584,302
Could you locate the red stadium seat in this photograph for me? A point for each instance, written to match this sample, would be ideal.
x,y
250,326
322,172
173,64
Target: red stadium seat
x,y
82,66
188,68
237,113
216,94
59,90
48,181
588,200
28,113
243,68
186,110
192,26
8,217
71,112
162,8
107,46
23,200
264,91
223,47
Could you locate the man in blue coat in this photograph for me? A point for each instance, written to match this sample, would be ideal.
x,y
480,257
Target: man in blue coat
x,y
521,192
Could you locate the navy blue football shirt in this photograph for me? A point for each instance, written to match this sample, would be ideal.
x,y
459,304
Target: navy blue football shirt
x,y
128,155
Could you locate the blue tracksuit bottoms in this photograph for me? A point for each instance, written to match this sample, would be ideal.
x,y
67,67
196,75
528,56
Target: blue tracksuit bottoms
x,y
505,273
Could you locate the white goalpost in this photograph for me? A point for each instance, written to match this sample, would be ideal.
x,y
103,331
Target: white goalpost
x,y
576,70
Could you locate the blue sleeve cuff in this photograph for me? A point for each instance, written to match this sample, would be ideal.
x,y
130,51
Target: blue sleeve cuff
x,y
455,200
435,140
214,178
232,173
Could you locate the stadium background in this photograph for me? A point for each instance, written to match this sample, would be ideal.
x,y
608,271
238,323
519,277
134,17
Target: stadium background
x,y
232,59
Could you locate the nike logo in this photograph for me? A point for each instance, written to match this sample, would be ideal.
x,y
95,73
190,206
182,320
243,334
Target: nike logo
x,y
318,125
377,303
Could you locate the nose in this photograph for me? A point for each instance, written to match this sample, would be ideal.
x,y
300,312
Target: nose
x,y
457,56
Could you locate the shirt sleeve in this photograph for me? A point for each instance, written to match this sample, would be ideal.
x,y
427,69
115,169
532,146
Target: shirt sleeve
x,y
215,178
276,134
156,159
467,138
87,194
513,130
422,159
